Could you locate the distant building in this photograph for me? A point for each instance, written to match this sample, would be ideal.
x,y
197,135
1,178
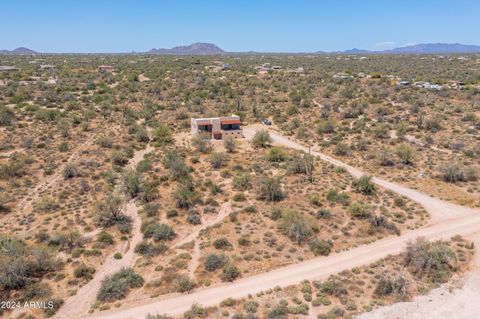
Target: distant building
x,y
105,68
217,127
47,67
403,83
7,68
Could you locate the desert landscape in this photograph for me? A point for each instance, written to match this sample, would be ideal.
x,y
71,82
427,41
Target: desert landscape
x,y
342,181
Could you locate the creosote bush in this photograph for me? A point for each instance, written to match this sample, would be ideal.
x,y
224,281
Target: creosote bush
x,y
117,286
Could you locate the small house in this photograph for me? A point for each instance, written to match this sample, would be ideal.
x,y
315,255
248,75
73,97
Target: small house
x,y
105,69
217,127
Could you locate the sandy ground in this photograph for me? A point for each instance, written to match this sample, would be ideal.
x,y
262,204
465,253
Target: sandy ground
x,y
25,205
459,300
447,220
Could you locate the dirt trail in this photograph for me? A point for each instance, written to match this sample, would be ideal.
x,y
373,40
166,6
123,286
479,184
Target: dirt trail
x,y
77,306
448,220
223,212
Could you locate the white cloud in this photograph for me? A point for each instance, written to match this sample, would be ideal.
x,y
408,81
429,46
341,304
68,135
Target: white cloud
x,y
384,45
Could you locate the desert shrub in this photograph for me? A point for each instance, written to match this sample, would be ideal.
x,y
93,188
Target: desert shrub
x,y
145,248
250,306
6,116
217,159
185,197
67,241
278,312
360,210
13,168
242,181
105,238
390,284
119,158
364,185
230,144
406,153
214,262
201,143
276,154
195,311
434,260
84,271
432,123
381,131
320,246
295,226
110,212
162,135
385,158
296,164
261,139
194,218
117,286
222,243
325,127
270,189
22,265
333,195
69,171
176,166
333,287
184,283
105,141
148,191
230,272
157,231
452,173
342,149
381,222
131,183
56,304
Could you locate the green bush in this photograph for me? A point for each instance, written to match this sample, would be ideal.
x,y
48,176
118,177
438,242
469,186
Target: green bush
x,y
295,226
360,210
117,286
364,185
433,260
214,262
230,272
261,139
276,154
320,246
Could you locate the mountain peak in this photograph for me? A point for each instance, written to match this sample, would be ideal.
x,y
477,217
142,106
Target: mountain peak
x,y
20,50
198,48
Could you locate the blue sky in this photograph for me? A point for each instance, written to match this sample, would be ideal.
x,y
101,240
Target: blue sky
x,y
234,25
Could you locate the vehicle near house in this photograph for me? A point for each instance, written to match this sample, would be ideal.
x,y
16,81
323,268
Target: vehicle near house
x,y
266,122
217,127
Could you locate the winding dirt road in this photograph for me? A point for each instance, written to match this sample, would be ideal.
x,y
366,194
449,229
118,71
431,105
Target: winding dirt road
x,y
447,220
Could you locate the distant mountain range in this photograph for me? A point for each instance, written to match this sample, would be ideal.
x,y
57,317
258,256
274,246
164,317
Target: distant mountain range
x,y
430,48
192,49
20,50
200,48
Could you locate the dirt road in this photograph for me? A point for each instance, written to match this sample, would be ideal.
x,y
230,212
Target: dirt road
x,y
438,209
448,220
316,268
